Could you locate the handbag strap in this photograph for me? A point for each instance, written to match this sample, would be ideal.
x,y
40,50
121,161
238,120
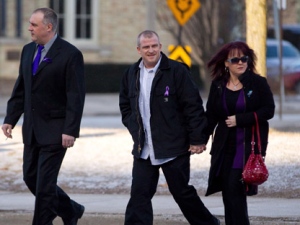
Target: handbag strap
x,y
257,133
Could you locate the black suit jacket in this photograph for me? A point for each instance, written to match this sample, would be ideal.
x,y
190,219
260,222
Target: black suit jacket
x,y
52,101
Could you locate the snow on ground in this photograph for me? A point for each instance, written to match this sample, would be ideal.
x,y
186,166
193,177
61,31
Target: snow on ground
x,y
101,162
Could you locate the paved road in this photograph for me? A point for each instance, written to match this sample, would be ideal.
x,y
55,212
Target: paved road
x,y
107,104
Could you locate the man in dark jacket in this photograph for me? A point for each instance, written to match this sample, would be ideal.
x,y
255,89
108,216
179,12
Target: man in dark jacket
x,y
162,109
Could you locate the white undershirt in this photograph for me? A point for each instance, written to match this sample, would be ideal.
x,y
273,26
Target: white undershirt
x,y
146,79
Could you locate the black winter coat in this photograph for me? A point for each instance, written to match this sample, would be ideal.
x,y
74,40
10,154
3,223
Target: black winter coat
x,y
258,98
177,120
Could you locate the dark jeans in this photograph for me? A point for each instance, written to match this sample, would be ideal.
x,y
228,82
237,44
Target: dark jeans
x,y
233,192
41,165
144,183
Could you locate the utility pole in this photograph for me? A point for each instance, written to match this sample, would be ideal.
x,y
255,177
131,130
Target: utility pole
x,y
278,7
151,14
256,34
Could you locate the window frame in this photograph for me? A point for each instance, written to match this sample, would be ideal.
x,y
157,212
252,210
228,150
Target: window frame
x,y
69,23
2,18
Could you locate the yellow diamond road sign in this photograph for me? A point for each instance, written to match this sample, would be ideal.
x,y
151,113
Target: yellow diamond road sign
x,y
181,54
183,9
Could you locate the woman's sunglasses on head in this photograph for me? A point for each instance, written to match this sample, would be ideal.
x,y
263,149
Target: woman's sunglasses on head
x,y
236,60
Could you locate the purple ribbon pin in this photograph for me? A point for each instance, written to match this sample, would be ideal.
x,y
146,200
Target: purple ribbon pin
x,y
47,60
167,91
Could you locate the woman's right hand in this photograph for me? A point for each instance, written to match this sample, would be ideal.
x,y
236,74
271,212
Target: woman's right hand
x,y
231,121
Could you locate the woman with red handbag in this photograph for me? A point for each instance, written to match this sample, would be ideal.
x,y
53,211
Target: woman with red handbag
x,y
236,93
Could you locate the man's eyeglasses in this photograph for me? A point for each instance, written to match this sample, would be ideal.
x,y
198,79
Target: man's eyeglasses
x,y
236,60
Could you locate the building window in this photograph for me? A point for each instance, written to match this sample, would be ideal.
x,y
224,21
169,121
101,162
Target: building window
x,y
4,15
18,18
76,19
2,18
83,18
58,7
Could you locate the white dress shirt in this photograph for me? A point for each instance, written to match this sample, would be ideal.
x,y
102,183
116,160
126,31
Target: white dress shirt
x,y
146,79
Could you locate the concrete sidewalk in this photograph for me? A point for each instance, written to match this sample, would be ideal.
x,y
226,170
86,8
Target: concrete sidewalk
x,y
261,210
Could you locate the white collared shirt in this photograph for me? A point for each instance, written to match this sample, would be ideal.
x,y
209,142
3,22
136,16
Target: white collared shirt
x,y
146,79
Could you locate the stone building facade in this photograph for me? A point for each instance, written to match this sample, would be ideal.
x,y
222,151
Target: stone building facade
x,y
110,38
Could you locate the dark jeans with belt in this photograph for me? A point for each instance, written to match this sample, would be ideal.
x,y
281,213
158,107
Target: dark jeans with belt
x,y
41,165
144,183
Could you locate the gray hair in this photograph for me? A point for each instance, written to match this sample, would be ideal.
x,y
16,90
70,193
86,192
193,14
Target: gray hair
x,y
49,17
147,34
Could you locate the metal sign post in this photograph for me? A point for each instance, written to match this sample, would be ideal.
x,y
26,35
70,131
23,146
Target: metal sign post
x,y
278,6
182,10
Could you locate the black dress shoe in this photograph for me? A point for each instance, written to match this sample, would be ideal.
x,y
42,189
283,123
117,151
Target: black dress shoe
x,y
75,218
217,221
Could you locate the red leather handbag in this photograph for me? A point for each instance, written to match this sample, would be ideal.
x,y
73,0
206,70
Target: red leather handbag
x,y
255,171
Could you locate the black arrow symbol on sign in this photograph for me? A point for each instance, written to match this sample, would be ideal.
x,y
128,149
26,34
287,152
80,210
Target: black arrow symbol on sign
x,y
189,5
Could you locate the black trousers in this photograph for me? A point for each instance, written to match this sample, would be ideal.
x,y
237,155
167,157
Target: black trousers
x,y
144,183
234,195
41,165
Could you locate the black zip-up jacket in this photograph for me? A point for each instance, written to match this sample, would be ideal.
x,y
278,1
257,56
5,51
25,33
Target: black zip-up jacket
x,y
177,120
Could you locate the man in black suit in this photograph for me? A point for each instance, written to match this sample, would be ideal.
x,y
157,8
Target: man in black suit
x,y
52,99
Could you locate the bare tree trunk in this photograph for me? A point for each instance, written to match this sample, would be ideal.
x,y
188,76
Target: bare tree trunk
x,y
256,32
216,22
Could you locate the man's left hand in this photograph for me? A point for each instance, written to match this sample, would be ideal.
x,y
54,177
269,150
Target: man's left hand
x,y
197,149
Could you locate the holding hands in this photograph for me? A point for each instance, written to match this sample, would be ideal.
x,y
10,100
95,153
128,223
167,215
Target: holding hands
x,y
197,149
